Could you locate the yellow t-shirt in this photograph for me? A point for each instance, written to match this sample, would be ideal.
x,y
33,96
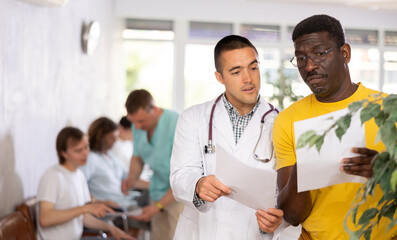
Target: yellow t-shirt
x,y
330,204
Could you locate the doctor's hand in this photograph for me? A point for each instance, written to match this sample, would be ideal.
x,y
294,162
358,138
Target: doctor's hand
x,y
270,220
360,165
209,188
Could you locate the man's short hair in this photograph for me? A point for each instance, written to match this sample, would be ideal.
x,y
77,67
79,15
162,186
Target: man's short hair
x,y
229,43
139,99
320,23
97,130
67,137
125,123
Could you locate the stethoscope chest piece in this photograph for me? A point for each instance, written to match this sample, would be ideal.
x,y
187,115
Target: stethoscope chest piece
x,y
209,148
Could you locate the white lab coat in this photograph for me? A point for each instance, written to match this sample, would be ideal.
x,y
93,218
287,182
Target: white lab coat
x,y
224,218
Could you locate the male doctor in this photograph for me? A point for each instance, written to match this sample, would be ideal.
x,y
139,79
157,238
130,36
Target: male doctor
x,y
236,127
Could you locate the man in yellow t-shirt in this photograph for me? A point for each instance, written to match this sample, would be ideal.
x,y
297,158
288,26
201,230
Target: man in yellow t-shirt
x,y
322,57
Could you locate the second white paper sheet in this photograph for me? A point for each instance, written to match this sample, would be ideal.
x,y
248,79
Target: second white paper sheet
x,y
253,187
317,170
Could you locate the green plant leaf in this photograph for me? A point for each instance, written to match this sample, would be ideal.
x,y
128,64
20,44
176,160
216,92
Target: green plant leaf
x,y
393,180
356,235
367,216
378,137
343,124
381,118
390,103
388,133
392,116
354,215
353,107
339,133
389,213
367,234
385,180
369,111
391,224
319,143
304,138
382,200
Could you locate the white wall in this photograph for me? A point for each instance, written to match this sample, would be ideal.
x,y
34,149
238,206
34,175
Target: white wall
x,y
47,82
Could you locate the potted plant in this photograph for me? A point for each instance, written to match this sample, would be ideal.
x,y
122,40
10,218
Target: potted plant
x,y
384,111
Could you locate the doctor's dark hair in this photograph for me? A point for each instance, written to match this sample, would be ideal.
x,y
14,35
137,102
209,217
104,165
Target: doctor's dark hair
x,y
67,137
320,23
97,131
139,99
229,43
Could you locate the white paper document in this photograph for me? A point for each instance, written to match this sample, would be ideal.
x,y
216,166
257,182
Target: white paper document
x,y
253,187
317,170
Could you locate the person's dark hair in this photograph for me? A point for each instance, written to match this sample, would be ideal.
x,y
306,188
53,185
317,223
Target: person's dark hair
x,y
65,138
320,23
125,123
97,130
139,99
229,43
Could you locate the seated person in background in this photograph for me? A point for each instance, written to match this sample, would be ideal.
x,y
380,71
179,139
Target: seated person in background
x,y
123,148
63,194
103,170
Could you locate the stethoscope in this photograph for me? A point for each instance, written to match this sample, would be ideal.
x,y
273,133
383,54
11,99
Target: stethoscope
x,y
210,148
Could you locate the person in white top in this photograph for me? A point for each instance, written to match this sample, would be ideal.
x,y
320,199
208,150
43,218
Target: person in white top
x,y
63,197
123,148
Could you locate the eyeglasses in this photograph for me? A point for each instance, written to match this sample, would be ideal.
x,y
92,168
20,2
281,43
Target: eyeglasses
x,y
317,57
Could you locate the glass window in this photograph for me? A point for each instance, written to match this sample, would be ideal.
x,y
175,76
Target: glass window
x,y
292,76
260,33
288,36
269,59
390,71
356,36
364,67
149,59
200,82
390,38
209,30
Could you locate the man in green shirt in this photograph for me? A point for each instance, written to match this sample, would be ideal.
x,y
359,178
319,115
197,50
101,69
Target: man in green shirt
x,y
153,130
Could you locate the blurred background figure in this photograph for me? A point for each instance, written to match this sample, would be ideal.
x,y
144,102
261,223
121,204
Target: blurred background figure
x,y
123,148
103,170
64,201
154,130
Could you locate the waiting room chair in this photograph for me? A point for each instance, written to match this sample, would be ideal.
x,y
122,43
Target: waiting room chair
x,y
14,226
